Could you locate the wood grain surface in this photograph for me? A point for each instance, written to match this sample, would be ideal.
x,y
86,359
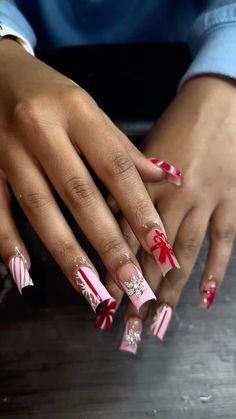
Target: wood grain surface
x,y
54,365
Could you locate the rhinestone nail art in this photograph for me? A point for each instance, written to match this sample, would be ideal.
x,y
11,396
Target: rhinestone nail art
x,y
132,335
136,286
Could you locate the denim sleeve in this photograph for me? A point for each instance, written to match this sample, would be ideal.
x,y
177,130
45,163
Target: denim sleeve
x,y
212,41
11,16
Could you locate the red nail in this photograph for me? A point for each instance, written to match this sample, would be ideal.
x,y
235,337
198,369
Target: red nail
x,y
173,172
208,293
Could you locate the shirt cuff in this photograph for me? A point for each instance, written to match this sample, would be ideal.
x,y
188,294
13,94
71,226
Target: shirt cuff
x,y
11,17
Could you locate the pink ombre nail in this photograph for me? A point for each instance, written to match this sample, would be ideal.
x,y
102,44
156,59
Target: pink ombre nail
x,y
161,250
132,335
105,318
134,285
174,174
208,293
20,273
91,287
160,321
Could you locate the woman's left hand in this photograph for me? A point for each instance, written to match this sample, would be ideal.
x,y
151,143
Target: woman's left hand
x,y
196,134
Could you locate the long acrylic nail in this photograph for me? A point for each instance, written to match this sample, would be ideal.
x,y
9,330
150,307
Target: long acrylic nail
x,y
91,287
20,273
160,321
208,293
132,335
174,174
106,316
134,285
161,250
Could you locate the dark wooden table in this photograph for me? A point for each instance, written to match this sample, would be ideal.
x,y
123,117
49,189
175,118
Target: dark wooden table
x,y
54,365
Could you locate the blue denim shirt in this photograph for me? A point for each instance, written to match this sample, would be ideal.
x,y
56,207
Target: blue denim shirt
x,y
209,27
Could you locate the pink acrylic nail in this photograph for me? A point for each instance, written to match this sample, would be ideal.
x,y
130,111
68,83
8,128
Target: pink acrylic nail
x,y
160,321
105,318
20,273
91,287
132,335
134,285
208,293
161,250
174,174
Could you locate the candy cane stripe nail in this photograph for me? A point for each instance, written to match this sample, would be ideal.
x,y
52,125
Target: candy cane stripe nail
x,y
20,273
169,169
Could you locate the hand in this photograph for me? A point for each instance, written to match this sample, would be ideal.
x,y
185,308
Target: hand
x,y
46,121
197,134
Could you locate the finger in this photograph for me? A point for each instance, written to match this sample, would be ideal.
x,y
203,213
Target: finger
x,y
149,172
160,171
187,245
222,232
74,184
37,201
118,172
172,216
133,320
12,248
108,308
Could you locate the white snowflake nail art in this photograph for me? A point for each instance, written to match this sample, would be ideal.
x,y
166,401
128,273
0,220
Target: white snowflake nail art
x,y
136,286
133,337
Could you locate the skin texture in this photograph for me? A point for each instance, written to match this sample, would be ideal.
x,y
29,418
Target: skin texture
x,y
46,122
196,133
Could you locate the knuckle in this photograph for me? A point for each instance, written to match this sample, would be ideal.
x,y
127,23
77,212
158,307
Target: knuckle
x,y
33,201
79,191
120,166
32,112
111,245
80,99
190,243
142,211
223,233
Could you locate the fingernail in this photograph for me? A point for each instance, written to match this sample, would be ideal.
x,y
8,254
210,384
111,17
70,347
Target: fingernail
x,y
208,293
134,285
160,321
161,250
91,287
132,335
20,273
173,172
105,318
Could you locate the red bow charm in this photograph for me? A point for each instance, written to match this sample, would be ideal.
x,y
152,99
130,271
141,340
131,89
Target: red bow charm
x,y
165,250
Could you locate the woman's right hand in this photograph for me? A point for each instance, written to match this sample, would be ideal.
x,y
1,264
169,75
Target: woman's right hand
x,y
46,122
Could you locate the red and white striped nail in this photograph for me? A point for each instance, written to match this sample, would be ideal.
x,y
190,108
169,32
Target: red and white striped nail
x,y
132,335
208,293
106,316
174,174
161,250
20,273
91,287
160,321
